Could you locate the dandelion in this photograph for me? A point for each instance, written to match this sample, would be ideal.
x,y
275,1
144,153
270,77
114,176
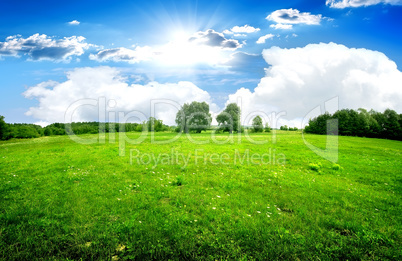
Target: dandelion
x,y
120,248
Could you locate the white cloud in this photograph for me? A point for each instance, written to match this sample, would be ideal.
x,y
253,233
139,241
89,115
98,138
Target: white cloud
x,y
262,39
244,29
124,55
74,22
240,35
92,83
299,79
359,3
281,26
285,18
43,47
214,39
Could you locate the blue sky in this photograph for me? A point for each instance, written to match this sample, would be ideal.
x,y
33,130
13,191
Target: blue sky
x,y
275,55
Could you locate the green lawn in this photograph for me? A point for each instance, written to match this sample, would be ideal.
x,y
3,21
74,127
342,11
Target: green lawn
x,y
64,200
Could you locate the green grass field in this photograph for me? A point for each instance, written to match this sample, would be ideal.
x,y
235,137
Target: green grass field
x,y
60,200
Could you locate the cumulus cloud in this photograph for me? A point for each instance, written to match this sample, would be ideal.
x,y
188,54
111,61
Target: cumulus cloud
x,y
262,39
359,3
285,18
242,29
74,22
214,39
42,47
93,83
124,55
281,26
299,79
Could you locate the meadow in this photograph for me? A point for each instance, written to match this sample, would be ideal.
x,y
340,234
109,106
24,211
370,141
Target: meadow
x,y
200,198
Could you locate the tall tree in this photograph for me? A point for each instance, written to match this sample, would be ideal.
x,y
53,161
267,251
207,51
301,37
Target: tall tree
x,y
3,128
257,124
194,117
391,124
154,124
267,128
229,118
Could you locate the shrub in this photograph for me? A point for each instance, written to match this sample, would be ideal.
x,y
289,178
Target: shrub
x,y
315,167
336,167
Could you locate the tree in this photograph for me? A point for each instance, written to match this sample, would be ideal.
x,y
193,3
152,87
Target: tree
x,y
322,123
267,128
391,124
194,117
257,124
3,128
229,118
48,131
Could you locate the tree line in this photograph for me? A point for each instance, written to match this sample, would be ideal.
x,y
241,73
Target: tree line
x,y
362,123
25,130
192,117
195,117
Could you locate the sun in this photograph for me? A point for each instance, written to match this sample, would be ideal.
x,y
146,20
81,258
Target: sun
x,y
181,51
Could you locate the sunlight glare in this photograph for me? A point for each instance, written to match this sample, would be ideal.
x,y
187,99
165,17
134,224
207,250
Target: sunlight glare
x,y
180,51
